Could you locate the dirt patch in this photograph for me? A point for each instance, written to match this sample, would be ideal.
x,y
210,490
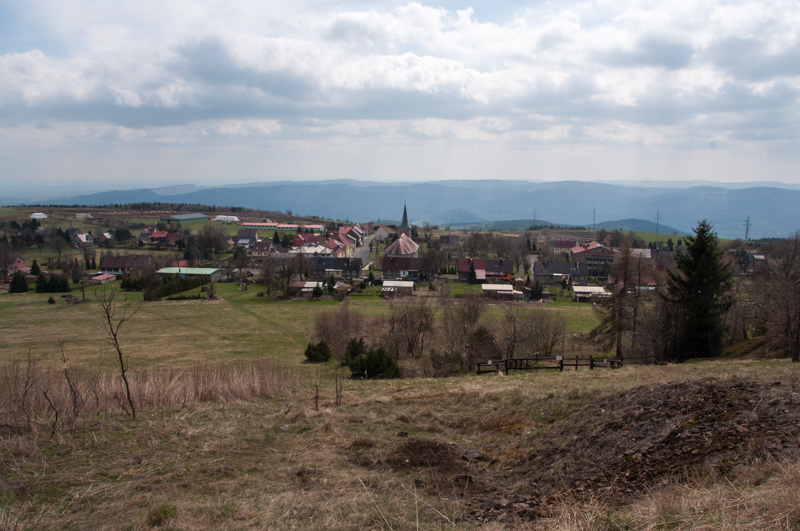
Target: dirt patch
x,y
620,446
427,453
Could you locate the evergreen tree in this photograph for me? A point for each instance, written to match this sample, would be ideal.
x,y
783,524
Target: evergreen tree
x,y
700,291
35,268
41,283
18,283
94,264
473,277
276,239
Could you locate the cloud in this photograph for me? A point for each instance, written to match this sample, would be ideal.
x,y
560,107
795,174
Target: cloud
x,y
599,73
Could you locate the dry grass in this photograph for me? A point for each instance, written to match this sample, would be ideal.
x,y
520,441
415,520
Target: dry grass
x,y
277,463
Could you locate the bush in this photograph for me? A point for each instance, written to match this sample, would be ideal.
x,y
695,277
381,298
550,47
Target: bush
x,y
259,294
51,300
376,364
318,353
353,350
317,292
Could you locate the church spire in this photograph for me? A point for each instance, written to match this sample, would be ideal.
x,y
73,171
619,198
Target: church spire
x,y
404,224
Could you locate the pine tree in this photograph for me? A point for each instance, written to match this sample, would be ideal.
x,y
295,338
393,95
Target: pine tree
x,y
35,268
18,283
701,292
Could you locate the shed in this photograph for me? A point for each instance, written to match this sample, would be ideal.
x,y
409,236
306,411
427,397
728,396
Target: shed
x,y
398,287
585,293
499,291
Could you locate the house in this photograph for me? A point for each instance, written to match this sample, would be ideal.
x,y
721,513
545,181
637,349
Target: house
x,y
312,249
261,250
597,257
130,266
753,262
245,241
304,238
78,237
83,240
562,246
393,288
247,233
556,272
504,292
383,233
106,236
158,236
405,267
403,246
585,293
144,236
213,274
448,241
486,268
184,219
325,266
173,238
17,265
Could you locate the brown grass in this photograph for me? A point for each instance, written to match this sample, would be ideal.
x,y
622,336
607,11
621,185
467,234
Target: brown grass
x,y
277,463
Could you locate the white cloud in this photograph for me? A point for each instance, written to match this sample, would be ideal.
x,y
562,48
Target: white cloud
x,y
622,73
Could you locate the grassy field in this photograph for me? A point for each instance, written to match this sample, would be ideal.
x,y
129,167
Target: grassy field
x,y
167,334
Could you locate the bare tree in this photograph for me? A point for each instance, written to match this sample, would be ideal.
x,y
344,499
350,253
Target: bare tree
x,y
545,330
7,258
508,331
780,285
458,323
113,323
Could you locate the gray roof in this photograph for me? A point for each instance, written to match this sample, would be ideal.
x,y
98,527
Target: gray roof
x,y
561,268
182,217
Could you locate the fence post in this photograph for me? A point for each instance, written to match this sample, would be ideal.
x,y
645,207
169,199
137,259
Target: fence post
x,y
591,364
576,362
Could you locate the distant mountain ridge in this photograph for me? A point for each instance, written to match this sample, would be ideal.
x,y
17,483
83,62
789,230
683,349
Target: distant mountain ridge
x,y
773,211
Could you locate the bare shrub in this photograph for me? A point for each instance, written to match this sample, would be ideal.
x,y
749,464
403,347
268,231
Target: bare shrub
x,y
338,327
23,404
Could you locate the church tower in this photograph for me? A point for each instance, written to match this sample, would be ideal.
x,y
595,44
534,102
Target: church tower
x,y
404,227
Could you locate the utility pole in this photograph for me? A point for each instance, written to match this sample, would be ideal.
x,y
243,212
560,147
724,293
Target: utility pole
x,y
658,221
594,216
747,228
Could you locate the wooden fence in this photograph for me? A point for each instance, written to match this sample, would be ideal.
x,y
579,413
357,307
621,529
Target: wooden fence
x,y
557,363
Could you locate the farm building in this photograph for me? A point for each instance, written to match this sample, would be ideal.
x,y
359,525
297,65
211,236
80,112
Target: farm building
x,y
183,219
212,273
38,215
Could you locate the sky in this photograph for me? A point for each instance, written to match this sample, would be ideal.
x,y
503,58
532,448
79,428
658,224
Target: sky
x,y
105,95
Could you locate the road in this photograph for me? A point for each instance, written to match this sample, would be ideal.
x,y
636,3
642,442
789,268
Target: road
x,y
363,251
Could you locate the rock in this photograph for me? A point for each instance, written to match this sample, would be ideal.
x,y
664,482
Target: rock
x,y
471,455
402,434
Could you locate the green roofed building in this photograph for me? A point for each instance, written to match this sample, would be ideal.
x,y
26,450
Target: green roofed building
x,y
183,219
183,272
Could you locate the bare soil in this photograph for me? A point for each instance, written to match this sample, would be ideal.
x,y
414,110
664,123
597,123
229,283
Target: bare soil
x,y
618,447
